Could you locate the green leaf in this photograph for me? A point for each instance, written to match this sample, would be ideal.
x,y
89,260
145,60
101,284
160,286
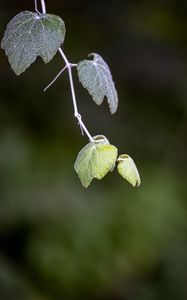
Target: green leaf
x,y
95,76
95,160
29,35
128,170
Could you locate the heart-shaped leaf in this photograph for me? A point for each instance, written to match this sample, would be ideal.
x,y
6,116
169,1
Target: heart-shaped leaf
x,y
29,35
95,160
96,77
128,170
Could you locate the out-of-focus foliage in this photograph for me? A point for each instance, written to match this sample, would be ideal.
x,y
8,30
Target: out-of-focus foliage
x,y
58,240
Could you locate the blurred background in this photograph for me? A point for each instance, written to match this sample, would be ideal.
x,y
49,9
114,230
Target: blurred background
x,y
109,242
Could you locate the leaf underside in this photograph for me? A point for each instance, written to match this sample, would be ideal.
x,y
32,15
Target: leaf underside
x,y
128,170
95,160
96,77
29,35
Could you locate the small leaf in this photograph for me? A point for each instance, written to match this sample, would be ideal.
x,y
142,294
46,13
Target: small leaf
x,y
95,76
128,170
95,160
29,35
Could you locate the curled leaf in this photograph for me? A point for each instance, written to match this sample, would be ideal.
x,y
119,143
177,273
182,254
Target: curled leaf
x,y
128,170
96,77
95,160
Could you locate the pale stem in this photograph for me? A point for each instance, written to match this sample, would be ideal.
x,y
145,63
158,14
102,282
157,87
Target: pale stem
x,y
36,6
69,66
43,6
56,77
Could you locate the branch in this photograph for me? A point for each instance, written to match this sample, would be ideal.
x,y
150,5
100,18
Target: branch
x,y
68,66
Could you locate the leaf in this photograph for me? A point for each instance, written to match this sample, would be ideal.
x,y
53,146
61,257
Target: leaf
x,y
29,35
128,170
95,160
95,76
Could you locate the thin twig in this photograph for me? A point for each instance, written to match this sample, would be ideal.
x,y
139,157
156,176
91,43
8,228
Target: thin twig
x,y
69,66
56,77
76,113
36,6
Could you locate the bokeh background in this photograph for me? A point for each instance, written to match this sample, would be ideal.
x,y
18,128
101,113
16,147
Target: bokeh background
x,y
109,242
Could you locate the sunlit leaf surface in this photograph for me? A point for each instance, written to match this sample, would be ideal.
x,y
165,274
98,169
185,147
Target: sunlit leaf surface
x,y
95,160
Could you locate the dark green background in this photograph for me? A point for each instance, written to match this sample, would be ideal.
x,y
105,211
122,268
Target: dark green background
x,y
109,242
